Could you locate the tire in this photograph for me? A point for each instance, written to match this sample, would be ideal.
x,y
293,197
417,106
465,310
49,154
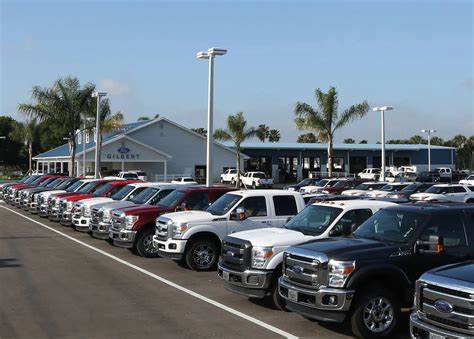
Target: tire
x,y
222,181
367,320
254,185
470,201
202,255
277,300
144,244
232,181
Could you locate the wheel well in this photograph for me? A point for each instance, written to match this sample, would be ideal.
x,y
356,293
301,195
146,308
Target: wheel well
x,y
390,282
204,235
145,227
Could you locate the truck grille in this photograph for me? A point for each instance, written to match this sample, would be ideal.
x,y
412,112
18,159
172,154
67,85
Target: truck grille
x,y
96,215
301,270
162,231
118,221
460,319
236,253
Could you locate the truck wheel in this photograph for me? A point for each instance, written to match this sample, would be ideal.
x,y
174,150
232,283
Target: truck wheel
x,y
470,201
222,181
232,181
144,244
202,255
278,301
253,185
376,312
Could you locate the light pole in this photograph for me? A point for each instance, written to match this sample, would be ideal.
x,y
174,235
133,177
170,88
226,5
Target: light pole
x,y
429,131
210,54
84,145
97,95
382,110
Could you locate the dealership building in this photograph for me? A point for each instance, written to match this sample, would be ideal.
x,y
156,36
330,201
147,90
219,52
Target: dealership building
x,y
165,149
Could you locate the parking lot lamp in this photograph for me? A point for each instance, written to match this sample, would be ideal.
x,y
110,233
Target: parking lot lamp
x,y
382,110
209,55
97,95
429,131
84,145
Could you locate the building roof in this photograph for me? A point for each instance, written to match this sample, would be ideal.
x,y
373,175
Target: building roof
x,y
336,146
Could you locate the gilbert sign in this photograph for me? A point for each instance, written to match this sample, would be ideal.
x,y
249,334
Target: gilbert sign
x,y
123,153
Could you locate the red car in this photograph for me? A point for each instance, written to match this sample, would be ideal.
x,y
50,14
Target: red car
x,y
343,185
133,227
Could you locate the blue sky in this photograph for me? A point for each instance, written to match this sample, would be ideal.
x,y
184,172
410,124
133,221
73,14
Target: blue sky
x,y
414,55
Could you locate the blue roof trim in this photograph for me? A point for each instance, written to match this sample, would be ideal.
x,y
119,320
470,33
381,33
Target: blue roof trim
x,y
337,146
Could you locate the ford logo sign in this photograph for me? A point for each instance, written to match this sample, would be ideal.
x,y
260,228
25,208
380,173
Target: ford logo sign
x,y
297,269
230,254
443,306
123,150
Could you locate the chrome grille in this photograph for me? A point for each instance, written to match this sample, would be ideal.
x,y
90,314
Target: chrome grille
x,y
301,271
162,231
236,253
96,215
118,221
460,319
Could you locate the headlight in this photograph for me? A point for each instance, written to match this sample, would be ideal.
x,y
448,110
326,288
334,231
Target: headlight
x,y
87,211
130,220
339,271
69,205
261,256
106,214
179,229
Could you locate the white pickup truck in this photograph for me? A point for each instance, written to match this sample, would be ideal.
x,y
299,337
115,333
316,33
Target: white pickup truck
x,y
195,236
251,261
256,179
229,176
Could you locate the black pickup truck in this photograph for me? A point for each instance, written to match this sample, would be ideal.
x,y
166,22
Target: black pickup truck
x,y
368,277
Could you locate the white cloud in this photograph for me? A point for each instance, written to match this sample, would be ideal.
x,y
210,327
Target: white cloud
x,y
114,87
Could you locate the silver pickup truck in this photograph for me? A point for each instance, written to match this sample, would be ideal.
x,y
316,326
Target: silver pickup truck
x,y
444,303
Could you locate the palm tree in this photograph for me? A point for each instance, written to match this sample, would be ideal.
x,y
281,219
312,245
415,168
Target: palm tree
x,y
417,139
200,130
349,141
363,141
26,132
108,122
274,135
307,138
262,132
238,133
146,117
62,105
327,121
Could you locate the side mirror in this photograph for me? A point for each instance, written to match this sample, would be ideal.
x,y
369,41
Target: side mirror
x,y
288,219
181,207
434,245
238,214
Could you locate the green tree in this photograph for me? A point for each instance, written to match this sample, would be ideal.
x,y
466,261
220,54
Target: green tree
x,y
326,121
26,133
146,117
363,141
274,135
200,130
349,141
10,149
262,132
63,104
307,138
238,132
417,139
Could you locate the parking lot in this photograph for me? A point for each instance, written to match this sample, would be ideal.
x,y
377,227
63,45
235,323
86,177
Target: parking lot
x,y
56,282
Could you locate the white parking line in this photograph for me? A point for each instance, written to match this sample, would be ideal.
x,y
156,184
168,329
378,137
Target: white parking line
x,y
165,281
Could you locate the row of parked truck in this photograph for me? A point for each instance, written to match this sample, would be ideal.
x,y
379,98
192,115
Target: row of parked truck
x,y
338,259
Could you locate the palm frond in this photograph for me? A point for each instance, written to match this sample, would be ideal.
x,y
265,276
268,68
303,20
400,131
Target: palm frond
x,y
352,113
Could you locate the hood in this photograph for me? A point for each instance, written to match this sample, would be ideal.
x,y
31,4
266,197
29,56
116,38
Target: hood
x,y
424,196
49,193
350,248
142,209
192,216
77,197
378,193
272,237
354,192
96,200
112,205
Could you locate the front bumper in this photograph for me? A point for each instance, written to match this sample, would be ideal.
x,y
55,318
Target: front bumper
x,y
100,230
33,208
54,214
316,304
251,283
81,224
25,204
43,211
171,248
421,329
66,218
123,238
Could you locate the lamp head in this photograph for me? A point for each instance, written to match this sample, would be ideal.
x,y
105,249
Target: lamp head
x,y
217,51
428,131
383,108
99,94
202,55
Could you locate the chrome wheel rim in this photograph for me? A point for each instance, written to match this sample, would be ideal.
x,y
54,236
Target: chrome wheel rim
x,y
203,255
378,314
148,245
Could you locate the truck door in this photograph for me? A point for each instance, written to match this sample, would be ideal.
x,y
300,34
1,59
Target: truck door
x,y
256,215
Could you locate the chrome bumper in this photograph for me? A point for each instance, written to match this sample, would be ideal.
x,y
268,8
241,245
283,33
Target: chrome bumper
x,y
421,329
324,304
81,224
100,230
123,238
251,283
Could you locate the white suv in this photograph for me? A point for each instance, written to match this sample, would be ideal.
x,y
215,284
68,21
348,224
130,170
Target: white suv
x,y
370,173
446,192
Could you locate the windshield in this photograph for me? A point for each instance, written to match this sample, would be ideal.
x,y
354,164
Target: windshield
x,y
31,179
314,219
306,182
410,188
436,190
46,182
393,188
65,184
322,183
75,186
471,177
342,184
87,187
122,192
22,180
391,226
35,181
145,195
101,191
222,205
171,199
259,175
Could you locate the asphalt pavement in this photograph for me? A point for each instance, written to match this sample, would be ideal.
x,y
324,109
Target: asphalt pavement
x,y
59,283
